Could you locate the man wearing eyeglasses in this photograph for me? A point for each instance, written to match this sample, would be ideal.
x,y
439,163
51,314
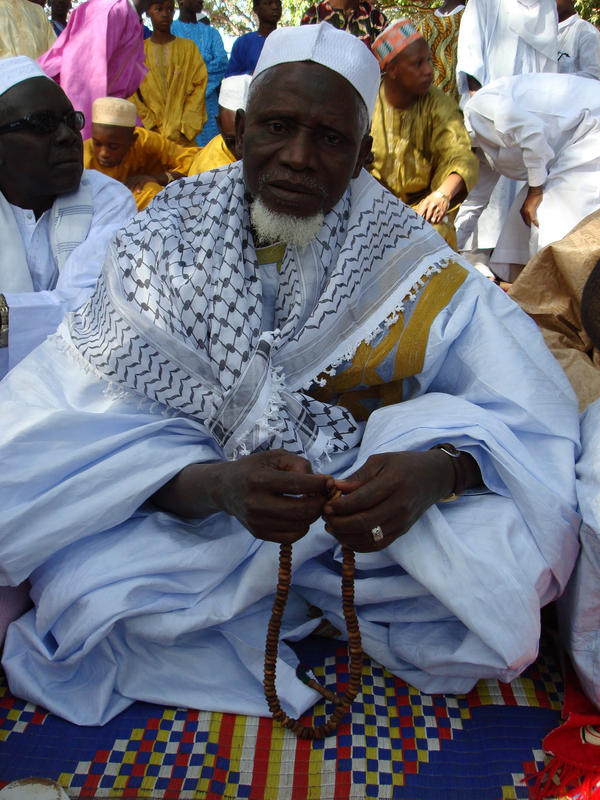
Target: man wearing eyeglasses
x,y
55,217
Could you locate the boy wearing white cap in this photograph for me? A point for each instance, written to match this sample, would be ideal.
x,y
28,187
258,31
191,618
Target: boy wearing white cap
x,y
55,217
256,327
143,160
221,149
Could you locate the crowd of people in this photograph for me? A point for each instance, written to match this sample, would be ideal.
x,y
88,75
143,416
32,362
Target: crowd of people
x,y
258,301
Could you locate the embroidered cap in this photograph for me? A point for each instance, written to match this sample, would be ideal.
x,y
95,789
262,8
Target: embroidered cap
x,y
17,69
392,41
326,45
114,111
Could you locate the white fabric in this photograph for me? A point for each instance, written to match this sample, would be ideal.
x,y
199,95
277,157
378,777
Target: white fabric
x,y
63,254
138,333
323,44
17,69
579,47
500,38
497,39
126,595
234,91
545,130
579,607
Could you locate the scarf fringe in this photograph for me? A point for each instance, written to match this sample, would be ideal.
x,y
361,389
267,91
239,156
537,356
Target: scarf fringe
x,y
368,336
559,779
112,389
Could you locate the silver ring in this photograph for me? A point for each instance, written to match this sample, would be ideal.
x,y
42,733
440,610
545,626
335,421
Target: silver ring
x,y
377,533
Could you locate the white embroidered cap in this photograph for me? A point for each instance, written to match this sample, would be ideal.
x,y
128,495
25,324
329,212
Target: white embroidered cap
x,y
17,69
326,45
114,111
234,91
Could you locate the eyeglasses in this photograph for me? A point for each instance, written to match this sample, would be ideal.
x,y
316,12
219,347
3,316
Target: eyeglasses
x,y
45,122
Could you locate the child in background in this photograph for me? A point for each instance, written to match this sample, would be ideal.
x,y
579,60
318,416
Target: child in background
x,y
143,160
170,100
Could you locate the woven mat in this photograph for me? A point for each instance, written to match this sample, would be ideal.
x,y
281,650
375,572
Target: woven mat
x,y
395,743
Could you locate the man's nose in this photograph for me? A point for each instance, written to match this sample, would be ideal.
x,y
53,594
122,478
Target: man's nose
x,y
299,150
65,133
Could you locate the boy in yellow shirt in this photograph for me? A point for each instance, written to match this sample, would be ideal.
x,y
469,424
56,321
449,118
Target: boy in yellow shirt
x,y
143,160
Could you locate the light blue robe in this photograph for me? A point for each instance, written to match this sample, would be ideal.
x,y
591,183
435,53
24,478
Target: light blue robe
x,y
134,603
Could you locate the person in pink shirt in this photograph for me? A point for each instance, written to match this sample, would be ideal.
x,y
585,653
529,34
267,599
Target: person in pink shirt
x,y
100,53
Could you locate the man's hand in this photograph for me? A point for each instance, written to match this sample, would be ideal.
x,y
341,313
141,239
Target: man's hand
x,y
273,494
391,491
434,207
138,181
530,206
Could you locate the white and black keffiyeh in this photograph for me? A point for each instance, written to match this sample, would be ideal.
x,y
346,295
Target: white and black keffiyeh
x,y
176,316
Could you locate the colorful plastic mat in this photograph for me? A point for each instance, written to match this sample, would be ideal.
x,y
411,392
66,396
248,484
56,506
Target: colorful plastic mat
x,y
395,743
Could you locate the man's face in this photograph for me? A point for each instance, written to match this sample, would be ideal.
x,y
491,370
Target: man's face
x,y
301,139
60,8
32,163
226,124
193,6
111,143
412,70
268,11
161,14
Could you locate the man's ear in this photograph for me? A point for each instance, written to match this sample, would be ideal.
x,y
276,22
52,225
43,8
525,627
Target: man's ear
x,y
240,127
364,155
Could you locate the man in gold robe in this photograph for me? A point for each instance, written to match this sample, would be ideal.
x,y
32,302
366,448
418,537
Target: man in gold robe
x,y
24,29
171,99
221,148
421,148
143,160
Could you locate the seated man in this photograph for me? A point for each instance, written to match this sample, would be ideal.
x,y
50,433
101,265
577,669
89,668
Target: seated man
x,y
221,150
544,130
143,160
55,218
263,334
421,148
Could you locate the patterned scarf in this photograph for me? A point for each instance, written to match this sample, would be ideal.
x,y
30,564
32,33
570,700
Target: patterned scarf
x,y
176,316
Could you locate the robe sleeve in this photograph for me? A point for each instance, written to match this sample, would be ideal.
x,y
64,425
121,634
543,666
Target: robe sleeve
x,y
194,106
35,315
450,145
471,46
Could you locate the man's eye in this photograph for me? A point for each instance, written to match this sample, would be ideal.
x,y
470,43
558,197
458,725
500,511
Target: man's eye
x,y
333,139
276,127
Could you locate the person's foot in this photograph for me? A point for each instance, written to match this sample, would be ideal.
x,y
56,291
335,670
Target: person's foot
x,y
33,789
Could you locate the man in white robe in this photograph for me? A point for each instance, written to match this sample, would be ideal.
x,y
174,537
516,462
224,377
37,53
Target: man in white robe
x,y
497,39
202,406
578,43
55,218
544,130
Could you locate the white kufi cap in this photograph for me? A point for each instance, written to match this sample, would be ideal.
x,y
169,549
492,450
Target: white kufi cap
x,y
234,91
17,69
114,111
323,44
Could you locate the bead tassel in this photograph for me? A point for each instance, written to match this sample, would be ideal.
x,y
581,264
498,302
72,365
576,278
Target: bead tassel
x,y
354,641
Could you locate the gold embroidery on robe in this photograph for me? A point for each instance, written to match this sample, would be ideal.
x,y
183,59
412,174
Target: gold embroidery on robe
x,y
360,388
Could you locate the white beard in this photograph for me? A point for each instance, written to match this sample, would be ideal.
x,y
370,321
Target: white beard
x,y
272,227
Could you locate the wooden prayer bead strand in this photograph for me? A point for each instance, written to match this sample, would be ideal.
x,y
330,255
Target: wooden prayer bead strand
x,y
271,649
